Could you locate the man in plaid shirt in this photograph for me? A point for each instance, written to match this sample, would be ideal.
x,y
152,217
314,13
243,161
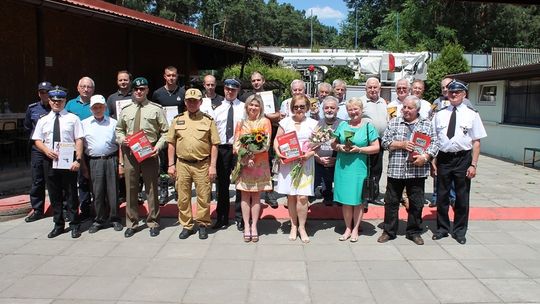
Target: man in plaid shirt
x,y
405,171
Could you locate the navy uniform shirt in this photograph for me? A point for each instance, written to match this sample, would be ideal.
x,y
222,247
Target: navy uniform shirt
x,y
34,112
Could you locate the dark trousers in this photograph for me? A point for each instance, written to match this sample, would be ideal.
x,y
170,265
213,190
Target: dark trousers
x,y
104,177
452,168
62,185
225,164
392,197
85,194
37,191
376,166
324,175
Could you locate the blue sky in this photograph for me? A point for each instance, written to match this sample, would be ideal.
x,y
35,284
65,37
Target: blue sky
x,y
329,12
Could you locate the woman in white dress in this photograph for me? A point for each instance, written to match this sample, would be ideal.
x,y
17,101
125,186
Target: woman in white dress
x,y
297,193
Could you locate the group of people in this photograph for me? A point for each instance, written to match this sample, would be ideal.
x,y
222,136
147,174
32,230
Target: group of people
x,y
209,140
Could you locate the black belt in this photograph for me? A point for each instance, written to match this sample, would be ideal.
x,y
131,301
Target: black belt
x,y
458,153
225,146
192,161
103,157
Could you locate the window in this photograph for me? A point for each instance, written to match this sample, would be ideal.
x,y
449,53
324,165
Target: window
x,y
488,95
523,102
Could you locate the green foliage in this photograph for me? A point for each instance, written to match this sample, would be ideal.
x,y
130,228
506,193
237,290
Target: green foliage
x,y
340,72
270,72
450,61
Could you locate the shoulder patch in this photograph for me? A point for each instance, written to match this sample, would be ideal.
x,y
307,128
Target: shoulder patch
x,y
156,104
473,109
207,116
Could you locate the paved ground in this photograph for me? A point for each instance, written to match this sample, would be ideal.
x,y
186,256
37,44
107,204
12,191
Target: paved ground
x,y
499,264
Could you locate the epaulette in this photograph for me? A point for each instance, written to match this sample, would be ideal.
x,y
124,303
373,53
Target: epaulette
x,y
129,104
178,115
443,108
43,115
473,109
33,105
208,116
156,104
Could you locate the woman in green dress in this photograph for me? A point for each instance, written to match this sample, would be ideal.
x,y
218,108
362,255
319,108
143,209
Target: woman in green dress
x,y
355,139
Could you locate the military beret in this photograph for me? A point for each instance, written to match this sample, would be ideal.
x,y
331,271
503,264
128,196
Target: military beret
x,y
139,82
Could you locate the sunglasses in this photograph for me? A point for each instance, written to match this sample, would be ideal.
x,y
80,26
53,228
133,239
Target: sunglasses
x,y
139,89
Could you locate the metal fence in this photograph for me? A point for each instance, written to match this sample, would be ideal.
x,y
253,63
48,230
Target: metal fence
x,y
510,57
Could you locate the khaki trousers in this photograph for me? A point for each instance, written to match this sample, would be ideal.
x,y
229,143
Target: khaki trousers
x,y
186,174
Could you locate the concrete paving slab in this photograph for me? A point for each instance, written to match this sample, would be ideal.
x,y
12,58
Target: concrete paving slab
x,y
171,268
272,292
118,266
25,301
378,252
156,289
334,271
440,269
496,269
217,291
66,265
454,291
225,270
471,252
425,252
175,249
39,286
342,292
387,270
79,301
524,252
529,267
237,250
514,290
279,270
9,245
97,288
401,291
285,252
90,248
21,264
338,251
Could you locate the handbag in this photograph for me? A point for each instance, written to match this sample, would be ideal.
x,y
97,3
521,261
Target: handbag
x,y
370,187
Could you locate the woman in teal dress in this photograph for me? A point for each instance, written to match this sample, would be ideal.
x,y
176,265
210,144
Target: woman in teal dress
x,y
352,146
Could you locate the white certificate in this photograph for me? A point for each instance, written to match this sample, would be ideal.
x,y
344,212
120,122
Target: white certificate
x,y
120,104
206,106
170,112
268,100
66,152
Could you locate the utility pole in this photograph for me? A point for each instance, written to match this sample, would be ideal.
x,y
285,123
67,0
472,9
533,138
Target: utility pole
x,y
214,28
311,23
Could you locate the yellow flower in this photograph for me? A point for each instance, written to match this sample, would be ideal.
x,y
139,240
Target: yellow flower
x,y
259,138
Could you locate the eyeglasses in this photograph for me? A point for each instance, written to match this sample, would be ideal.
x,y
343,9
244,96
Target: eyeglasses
x,y
300,107
139,89
86,87
402,88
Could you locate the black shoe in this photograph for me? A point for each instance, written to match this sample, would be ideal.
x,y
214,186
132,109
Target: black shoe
x,y
154,231
75,232
460,239
240,225
185,234
94,228
34,217
439,235
203,234
219,225
117,226
385,237
85,216
416,239
55,232
129,232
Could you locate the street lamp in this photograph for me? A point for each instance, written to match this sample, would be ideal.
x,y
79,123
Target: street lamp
x,y
214,28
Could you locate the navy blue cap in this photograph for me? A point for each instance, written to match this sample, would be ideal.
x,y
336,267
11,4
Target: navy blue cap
x,y
57,93
231,83
45,85
457,85
139,82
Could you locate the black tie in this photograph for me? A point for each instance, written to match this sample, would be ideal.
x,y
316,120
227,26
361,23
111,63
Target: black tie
x,y
452,125
56,129
230,121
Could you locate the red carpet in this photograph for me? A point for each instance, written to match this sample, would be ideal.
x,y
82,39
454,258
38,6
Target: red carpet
x,y
317,211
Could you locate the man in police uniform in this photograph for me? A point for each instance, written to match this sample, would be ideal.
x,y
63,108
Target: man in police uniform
x,y
60,126
149,117
193,136
34,112
459,129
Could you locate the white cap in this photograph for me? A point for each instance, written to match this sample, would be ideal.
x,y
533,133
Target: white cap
x,y
96,99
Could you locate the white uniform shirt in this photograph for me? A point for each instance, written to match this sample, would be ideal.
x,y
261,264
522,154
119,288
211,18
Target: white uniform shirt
x,y
425,108
377,112
469,127
220,116
99,136
70,128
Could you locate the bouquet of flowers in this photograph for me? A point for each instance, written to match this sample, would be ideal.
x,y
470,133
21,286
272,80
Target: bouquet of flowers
x,y
318,137
250,143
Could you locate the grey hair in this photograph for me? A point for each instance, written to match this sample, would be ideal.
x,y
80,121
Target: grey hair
x,y
298,81
328,99
414,99
87,78
325,84
337,82
355,101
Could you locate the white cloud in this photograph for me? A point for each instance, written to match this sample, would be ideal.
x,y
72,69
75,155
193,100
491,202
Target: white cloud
x,y
325,13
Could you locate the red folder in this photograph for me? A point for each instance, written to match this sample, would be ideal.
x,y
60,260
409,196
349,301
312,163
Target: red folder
x,y
289,146
140,145
421,142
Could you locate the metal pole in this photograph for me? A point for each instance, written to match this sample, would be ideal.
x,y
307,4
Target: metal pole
x,y
311,19
214,28
356,28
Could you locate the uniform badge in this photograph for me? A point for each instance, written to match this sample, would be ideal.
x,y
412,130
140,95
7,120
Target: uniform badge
x,y
180,122
464,129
